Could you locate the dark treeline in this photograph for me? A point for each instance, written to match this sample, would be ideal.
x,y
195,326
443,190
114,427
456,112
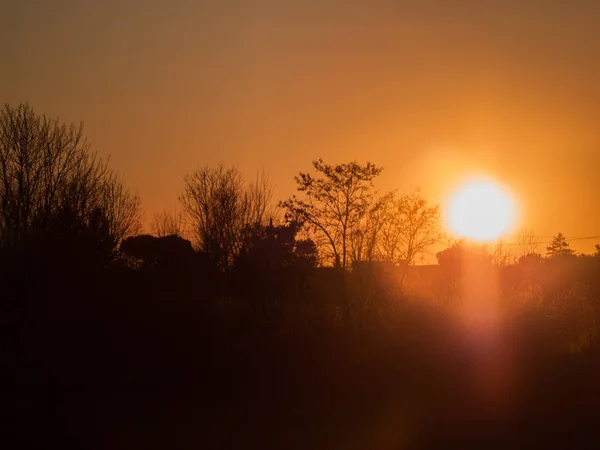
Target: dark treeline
x,y
242,323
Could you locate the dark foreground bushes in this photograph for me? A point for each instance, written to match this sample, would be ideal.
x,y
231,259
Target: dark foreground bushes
x,y
142,360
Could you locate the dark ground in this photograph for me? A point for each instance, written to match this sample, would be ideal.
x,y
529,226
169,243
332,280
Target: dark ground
x,y
152,362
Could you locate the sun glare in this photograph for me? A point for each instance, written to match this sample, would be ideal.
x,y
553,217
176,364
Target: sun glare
x,y
480,210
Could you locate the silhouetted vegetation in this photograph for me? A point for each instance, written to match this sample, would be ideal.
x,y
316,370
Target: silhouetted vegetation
x,y
336,207
222,211
244,331
56,194
167,224
559,247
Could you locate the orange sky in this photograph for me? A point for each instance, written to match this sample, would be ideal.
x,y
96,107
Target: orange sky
x,y
430,90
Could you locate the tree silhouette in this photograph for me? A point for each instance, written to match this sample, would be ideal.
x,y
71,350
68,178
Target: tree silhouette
x,y
164,252
502,254
454,258
336,202
530,259
365,239
559,247
74,242
47,173
167,224
222,211
121,210
275,247
527,243
274,259
410,227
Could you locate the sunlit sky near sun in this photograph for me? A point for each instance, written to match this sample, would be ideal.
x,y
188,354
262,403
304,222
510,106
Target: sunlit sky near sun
x,y
480,210
433,91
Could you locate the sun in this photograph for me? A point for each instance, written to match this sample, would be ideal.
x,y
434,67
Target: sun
x,y
480,210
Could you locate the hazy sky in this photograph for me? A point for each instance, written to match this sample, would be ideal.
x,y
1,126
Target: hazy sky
x,y
428,89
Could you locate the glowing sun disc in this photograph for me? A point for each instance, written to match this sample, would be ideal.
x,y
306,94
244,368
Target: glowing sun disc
x,y
480,210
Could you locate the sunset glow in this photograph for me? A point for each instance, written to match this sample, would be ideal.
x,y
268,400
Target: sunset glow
x,y
480,210
300,224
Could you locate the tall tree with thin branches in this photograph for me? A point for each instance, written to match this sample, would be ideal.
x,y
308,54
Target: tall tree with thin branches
x,y
335,202
48,175
365,239
222,210
168,223
411,227
527,243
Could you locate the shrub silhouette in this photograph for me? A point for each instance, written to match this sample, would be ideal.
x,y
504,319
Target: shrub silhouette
x,y
160,253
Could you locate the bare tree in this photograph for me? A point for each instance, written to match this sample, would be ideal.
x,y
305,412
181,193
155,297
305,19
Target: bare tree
x,y
527,243
502,254
222,210
258,206
46,171
40,160
122,209
366,237
167,224
334,205
410,228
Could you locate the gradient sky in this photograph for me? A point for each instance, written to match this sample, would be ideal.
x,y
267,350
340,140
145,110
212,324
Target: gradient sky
x,y
431,90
